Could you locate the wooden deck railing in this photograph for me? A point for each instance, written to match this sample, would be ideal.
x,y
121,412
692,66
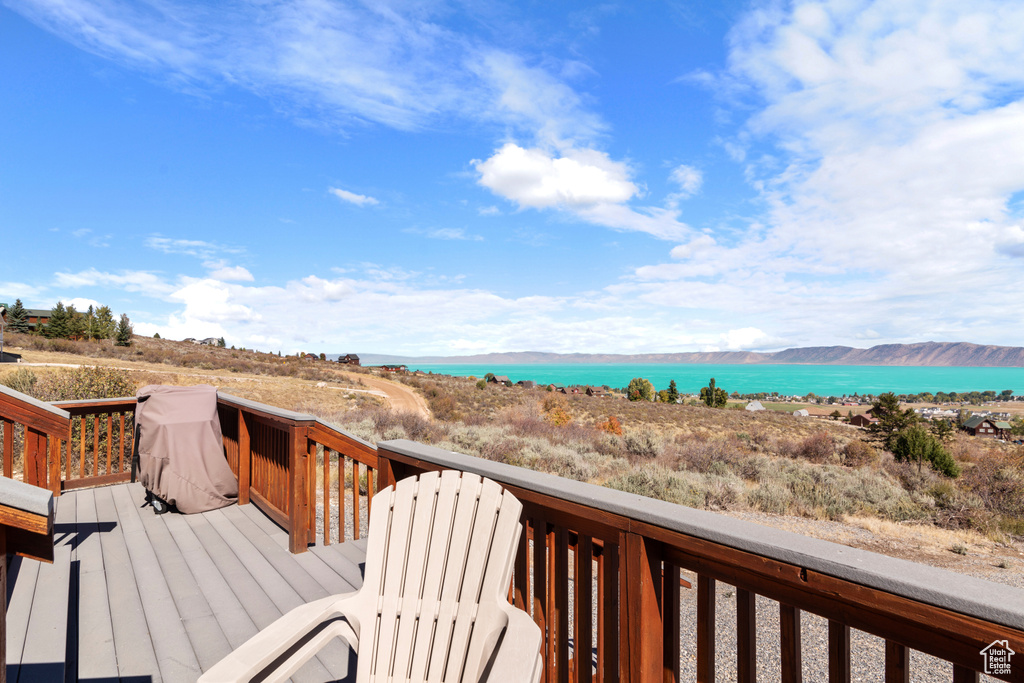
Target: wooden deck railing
x,y
294,467
99,442
599,570
35,430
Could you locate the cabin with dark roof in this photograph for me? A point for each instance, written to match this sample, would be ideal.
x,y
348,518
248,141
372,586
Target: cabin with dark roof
x,y
986,428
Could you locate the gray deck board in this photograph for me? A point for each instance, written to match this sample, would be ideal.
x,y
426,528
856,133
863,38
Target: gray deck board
x,y
175,657
161,598
97,657
133,643
19,609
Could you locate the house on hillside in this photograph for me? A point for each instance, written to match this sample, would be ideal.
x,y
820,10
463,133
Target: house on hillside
x,y
595,391
394,368
209,341
36,317
560,388
350,359
986,427
501,379
864,420
526,384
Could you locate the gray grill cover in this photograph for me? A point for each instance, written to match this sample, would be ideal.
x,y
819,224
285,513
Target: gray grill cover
x,y
181,450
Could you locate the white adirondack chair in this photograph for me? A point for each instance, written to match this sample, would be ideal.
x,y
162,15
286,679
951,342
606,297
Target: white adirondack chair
x,y
434,601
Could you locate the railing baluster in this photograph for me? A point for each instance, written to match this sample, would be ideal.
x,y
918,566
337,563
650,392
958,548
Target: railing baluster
x,y
540,586
120,449
8,449
897,663
355,499
608,652
96,445
327,495
369,489
67,462
962,674
560,600
670,620
110,439
342,536
705,629
838,652
81,447
583,628
746,636
789,627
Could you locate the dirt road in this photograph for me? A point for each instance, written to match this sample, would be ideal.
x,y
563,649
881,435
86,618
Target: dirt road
x,y
401,397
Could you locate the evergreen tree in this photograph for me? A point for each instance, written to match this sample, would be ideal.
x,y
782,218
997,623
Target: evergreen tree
x,y
915,443
713,396
223,344
673,392
76,324
105,325
17,317
891,419
57,327
123,336
156,335
90,323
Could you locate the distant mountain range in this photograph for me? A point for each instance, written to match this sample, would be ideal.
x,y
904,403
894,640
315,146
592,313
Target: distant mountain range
x,y
950,354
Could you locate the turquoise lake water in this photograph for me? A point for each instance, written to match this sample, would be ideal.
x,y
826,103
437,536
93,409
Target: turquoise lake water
x,y
827,380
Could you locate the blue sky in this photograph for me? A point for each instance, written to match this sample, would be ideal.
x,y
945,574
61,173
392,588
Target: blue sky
x,y
446,178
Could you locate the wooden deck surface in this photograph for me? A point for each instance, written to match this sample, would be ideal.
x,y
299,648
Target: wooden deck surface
x,y
141,598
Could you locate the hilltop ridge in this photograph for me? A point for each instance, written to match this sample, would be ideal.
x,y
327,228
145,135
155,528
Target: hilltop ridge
x,y
948,354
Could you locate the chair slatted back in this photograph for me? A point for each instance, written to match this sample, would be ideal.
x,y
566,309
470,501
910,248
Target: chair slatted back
x,y
440,556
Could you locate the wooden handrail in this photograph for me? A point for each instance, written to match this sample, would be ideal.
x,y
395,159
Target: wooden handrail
x,y
638,546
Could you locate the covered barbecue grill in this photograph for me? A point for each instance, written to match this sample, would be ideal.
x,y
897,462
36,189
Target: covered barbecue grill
x,y
180,450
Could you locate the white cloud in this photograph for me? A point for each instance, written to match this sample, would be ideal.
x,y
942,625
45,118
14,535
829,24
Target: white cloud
x,y
689,180
227,273
82,304
135,281
452,234
197,248
584,182
352,197
535,179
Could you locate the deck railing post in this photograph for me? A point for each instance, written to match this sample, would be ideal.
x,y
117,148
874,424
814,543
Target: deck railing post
x,y
641,656
298,498
385,471
244,458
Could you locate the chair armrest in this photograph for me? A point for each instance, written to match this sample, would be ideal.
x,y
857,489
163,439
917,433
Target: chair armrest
x,y
518,658
294,638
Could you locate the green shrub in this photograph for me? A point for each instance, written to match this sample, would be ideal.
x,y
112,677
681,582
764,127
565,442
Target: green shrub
x,y
22,380
87,382
857,454
644,443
